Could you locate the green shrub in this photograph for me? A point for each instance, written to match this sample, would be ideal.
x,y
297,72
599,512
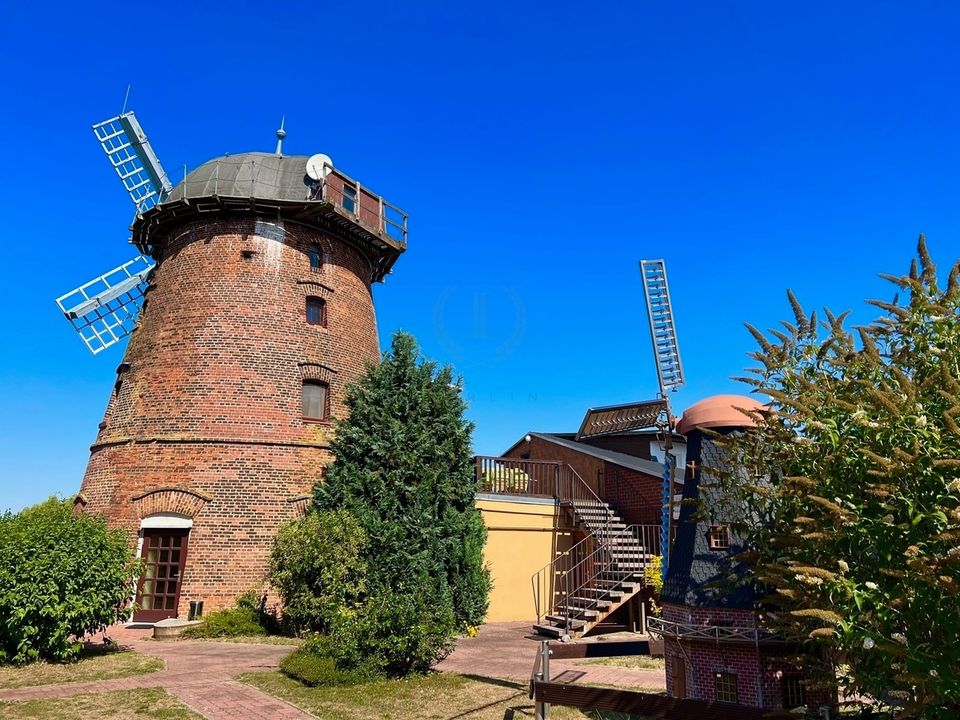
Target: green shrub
x,y
317,569
313,664
62,576
249,617
400,631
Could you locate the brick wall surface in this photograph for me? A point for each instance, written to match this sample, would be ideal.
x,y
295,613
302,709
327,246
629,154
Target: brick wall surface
x,y
634,495
208,398
760,670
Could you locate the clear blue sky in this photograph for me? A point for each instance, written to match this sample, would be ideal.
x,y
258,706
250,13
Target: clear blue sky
x,y
542,149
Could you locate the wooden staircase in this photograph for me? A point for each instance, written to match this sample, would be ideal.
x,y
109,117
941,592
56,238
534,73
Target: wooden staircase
x,y
597,576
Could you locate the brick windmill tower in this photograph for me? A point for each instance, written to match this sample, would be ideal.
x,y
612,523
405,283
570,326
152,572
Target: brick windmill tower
x,y
249,311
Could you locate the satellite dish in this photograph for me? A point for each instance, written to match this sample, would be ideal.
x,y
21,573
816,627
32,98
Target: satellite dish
x,y
318,166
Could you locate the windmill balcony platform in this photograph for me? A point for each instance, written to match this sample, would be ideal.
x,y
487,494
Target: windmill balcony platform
x,y
276,186
711,633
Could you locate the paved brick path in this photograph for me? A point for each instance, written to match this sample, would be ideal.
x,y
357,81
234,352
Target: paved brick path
x,y
201,673
506,651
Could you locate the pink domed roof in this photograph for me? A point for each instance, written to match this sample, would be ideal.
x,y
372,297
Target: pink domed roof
x,y
718,411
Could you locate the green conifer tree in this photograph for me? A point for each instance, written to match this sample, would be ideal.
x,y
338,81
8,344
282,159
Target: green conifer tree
x,y
857,535
404,470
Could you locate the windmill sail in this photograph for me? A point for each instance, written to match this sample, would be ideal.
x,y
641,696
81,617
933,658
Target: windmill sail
x,y
104,310
663,331
131,155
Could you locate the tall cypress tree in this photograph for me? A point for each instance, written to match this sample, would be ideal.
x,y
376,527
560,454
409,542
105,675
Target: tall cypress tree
x,y
404,470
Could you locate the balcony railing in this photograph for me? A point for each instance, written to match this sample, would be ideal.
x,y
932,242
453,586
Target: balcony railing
x,y
363,206
712,633
508,476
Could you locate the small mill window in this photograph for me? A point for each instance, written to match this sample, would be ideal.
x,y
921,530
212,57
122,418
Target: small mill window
x,y
316,311
793,695
316,400
718,537
316,258
725,688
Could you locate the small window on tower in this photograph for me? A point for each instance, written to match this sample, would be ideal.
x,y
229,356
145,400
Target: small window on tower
x,y
349,198
725,688
316,311
316,258
719,537
316,397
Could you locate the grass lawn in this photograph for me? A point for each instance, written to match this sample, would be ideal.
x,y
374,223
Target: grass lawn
x,y
438,696
95,663
636,662
143,704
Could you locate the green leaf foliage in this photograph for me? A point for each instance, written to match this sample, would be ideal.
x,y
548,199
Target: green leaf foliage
x,y
63,575
249,617
404,470
318,569
857,538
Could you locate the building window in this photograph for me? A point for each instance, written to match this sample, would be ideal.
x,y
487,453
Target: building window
x,y
316,311
718,537
793,695
350,198
725,688
316,400
316,259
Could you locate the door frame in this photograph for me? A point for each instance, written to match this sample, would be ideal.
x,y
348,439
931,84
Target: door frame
x,y
155,528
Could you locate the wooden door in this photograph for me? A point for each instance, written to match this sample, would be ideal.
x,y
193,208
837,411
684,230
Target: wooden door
x,y
158,592
679,677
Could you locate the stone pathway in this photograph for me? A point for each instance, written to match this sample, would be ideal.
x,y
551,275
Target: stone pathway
x,y
201,674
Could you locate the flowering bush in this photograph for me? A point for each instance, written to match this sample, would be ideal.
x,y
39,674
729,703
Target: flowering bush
x,y
856,534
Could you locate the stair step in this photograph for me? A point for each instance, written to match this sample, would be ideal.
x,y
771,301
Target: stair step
x,y
559,620
622,585
549,631
602,592
578,612
590,602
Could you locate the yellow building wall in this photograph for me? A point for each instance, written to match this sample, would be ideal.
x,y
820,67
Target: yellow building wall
x,y
523,535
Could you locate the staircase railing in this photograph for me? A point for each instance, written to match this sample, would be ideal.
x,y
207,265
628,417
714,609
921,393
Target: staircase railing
x,y
593,565
624,559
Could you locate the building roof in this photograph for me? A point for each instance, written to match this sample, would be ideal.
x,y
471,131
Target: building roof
x,y
266,176
719,411
650,467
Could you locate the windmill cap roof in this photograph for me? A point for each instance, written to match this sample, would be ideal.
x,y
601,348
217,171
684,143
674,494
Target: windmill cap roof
x,y
253,174
718,411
